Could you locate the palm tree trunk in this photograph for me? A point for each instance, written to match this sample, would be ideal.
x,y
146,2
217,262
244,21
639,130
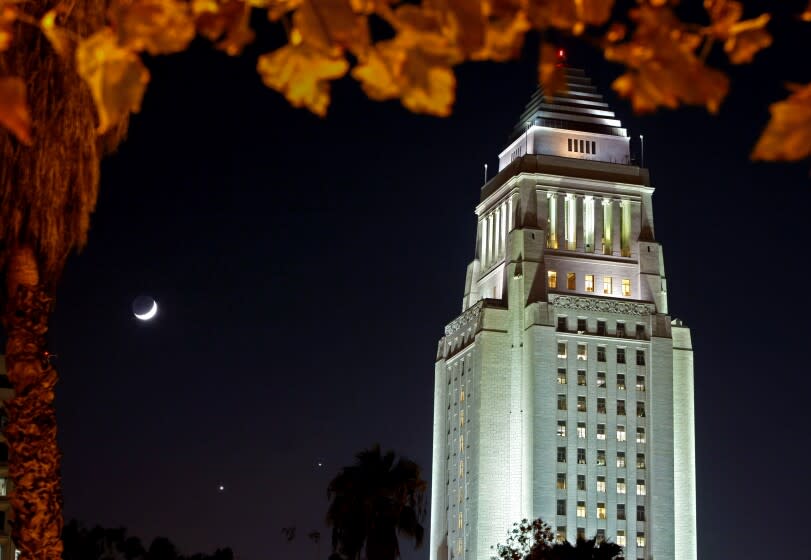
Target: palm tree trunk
x,y
36,499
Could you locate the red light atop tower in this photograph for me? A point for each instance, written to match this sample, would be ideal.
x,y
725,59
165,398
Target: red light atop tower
x,y
561,53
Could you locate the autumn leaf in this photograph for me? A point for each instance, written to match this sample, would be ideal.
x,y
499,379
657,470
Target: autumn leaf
x,y
329,25
59,38
551,71
806,15
8,15
302,75
464,23
742,38
14,113
503,37
116,76
570,15
788,134
424,83
663,69
226,22
420,27
156,26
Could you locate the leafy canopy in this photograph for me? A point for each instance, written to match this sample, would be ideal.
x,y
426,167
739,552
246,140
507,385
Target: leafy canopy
x,y
664,57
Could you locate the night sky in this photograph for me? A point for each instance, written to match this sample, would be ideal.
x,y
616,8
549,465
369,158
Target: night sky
x,y
305,269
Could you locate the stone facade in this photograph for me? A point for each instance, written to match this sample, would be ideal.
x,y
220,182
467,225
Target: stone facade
x,y
564,390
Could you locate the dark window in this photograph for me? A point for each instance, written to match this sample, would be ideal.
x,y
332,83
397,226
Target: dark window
x,y
561,454
562,326
620,408
600,379
581,456
570,144
581,325
640,409
581,533
3,452
581,404
600,405
640,460
620,355
582,148
640,357
620,511
620,382
561,507
640,331
561,402
640,513
601,353
601,457
581,482
621,329
593,147
581,377
601,327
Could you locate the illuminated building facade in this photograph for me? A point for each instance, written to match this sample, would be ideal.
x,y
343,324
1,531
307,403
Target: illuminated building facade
x,y
564,390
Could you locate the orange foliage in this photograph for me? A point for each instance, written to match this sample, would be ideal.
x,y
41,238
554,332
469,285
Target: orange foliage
x,y
788,134
664,56
14,114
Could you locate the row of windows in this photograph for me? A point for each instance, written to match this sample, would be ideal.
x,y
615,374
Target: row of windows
x,y
601,462
581,379
560,536
601,408
582,327
582,146
581,431
588,284
621,484
583,353
601,513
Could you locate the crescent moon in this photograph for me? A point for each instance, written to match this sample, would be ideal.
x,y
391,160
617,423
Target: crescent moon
x,y
149,314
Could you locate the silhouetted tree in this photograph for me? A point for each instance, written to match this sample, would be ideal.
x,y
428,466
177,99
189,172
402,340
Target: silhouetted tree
x,y
535,541
372,502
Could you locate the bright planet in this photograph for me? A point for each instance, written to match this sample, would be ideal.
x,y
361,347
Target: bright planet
x,y
144,308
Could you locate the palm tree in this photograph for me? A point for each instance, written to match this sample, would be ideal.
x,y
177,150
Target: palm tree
x,y
47,192
371,502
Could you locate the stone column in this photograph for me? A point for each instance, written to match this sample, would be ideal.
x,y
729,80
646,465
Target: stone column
x,y
560,208
483,241
616,232
497,238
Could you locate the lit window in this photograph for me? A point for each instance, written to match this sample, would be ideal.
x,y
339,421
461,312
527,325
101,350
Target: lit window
x,y
581,326
562,326
460,547
640,435
581,509
581,404
620,408
561,402
562,428
620,486
640,409
581,456
620,382
581,377
461,468
461,519
620,433
462,417
640,513
620,459
561,376
626,287
607,288
600,431
620,329
601,484
640,382
600,510
621,538
600,379
640,357
552,278
640,488
640,539
571,280
601,353
620,355
601,328
561,349
640,331
561,454
581,482
621,511
3,486
600,405
581,430
601,457
461,443
561,507
462,395
560,535
640,460
582,353
589,282
561,481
